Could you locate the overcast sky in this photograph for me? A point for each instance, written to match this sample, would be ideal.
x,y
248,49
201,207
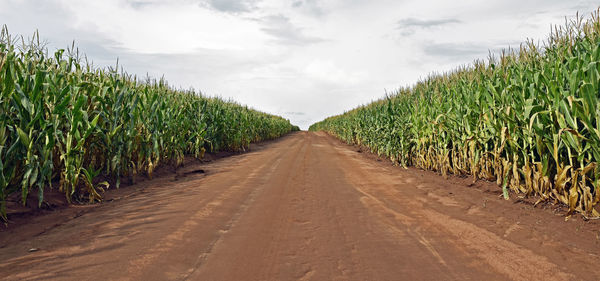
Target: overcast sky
x,y
301,59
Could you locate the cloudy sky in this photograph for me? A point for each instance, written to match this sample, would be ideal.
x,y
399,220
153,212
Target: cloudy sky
x,y
301,59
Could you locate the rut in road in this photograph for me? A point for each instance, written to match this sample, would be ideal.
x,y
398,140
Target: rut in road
x,y
305,207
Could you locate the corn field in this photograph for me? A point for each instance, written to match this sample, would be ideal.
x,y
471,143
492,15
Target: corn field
x,y
64,124
527,119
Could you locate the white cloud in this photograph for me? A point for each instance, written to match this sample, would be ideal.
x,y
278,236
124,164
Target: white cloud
x,y
302,59
328,71
285,32
232,6
169,28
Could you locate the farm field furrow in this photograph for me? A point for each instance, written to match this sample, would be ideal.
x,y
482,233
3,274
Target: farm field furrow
x,y
305,207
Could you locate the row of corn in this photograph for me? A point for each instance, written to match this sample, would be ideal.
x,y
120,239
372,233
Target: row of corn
x,y
65,124
527,119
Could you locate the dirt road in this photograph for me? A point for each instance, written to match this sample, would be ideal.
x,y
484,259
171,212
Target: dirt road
x,y
305,207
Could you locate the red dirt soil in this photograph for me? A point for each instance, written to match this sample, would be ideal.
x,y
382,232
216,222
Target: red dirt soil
x,y
305,207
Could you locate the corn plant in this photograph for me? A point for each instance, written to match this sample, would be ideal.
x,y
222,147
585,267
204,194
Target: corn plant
x,y
528,119
65,124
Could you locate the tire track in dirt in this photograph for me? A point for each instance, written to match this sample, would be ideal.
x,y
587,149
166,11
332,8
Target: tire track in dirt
x,y
504,256
307,207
